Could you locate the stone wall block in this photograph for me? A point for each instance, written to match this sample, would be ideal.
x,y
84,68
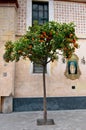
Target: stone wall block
x,y
7,104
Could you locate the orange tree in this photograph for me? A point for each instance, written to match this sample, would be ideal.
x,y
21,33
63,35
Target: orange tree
x,y
43,44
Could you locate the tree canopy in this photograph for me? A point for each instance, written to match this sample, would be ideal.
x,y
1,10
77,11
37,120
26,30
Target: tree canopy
x,y
43,43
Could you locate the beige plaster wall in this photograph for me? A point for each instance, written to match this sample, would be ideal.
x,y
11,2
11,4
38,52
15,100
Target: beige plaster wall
x,y
7,32
28,84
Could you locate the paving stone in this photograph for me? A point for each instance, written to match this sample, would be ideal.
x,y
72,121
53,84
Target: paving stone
x,y
64,120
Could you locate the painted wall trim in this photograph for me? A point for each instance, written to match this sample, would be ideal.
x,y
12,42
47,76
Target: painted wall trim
x,y
8,2
29,14
51,10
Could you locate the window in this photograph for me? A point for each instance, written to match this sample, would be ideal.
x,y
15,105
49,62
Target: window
x,y
39,13
38,68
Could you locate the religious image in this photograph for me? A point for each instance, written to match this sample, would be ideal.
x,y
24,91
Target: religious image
x,y
72,67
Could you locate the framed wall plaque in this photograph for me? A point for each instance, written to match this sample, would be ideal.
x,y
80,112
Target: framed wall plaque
x,y
72,68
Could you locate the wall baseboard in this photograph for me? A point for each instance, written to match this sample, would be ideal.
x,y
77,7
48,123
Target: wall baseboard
x,y
53,103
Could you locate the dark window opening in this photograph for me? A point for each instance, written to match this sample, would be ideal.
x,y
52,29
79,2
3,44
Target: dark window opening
x,y
40,12
37,68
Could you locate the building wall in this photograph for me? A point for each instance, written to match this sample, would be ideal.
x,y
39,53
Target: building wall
x,y
17,79
30,85
8,28
21,13
71,12
7,32
27,84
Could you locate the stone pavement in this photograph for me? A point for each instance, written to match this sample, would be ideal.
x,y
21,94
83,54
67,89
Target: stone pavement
x,y
64,120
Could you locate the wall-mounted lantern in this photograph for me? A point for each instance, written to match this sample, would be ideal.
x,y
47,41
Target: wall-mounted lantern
x,y
83,60
72,68
63,60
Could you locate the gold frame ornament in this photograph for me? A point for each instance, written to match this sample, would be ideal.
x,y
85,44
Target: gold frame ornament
x,y
72,68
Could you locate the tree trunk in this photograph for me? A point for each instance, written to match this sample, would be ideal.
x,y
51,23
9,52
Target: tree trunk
x,y
44,90
45,121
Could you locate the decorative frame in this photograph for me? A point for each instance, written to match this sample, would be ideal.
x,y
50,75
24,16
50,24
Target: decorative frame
x,y
72,68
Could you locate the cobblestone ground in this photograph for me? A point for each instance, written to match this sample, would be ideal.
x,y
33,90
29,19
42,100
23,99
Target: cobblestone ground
x,y
64,120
